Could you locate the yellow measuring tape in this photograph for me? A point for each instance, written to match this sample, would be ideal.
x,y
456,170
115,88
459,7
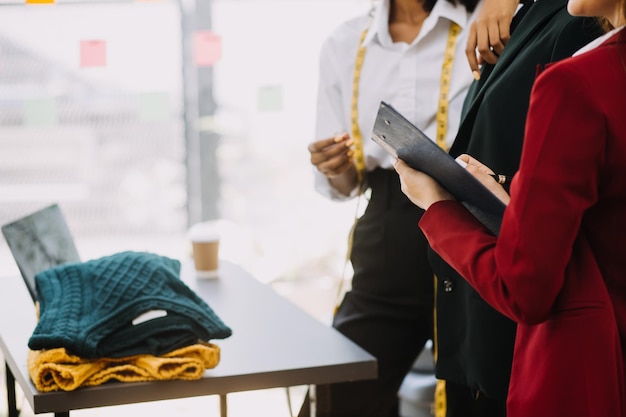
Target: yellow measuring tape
x,y
444,85
440,401
359,158
442,107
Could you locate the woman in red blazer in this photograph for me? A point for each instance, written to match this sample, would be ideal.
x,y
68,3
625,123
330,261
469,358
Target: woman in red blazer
x,y
558,266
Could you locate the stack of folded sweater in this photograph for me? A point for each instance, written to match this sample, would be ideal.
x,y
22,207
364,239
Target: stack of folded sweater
x,y
124,317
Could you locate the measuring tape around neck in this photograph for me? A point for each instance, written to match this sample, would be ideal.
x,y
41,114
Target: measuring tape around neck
x,y
442,107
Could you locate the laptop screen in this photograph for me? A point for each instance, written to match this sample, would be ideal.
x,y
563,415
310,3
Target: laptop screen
x,y
40,241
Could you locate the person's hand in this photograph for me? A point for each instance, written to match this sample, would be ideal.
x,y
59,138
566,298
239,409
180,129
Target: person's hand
x,y
483,174
419,187
332,156
489,33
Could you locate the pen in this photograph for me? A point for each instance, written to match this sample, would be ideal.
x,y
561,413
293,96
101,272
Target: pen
x,y
501,179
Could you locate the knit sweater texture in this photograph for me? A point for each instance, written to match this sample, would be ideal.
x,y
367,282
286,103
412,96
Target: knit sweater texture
x,y
89,307
55,369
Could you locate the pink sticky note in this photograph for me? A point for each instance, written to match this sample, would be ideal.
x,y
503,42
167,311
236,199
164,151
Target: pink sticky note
x,y
93,53
207,48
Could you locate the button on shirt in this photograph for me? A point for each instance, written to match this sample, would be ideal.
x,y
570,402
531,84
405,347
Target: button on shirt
x,y
406,76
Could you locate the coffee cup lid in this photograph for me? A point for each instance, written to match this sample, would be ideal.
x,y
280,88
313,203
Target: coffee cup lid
x,y
203,232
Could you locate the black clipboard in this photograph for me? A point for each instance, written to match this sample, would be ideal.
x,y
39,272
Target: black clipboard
x,y
405,141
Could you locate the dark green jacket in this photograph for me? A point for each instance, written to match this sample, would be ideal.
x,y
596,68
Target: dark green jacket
x,y
474,342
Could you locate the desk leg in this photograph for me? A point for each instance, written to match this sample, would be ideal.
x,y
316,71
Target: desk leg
x,y
11,399
319,400
312,400
223,406
316,402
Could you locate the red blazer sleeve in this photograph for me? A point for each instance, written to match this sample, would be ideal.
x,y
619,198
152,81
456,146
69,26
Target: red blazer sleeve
x,y
521,272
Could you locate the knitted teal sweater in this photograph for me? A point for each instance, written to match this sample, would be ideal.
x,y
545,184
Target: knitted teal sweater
x,y
89,307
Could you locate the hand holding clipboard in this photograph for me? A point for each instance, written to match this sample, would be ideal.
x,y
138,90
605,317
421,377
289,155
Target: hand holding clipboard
x,y
405,141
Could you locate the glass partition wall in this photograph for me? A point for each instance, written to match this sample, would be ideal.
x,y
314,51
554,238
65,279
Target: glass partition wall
x,y
141,118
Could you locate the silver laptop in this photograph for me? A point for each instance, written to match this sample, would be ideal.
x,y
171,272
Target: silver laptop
x,y
40,241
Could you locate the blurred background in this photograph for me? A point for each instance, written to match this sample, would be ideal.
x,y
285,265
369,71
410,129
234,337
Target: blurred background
x,y
140,118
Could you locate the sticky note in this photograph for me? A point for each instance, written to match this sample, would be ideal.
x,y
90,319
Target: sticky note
x,y
40,112
154,107
93,53
207,48
39,1
270,98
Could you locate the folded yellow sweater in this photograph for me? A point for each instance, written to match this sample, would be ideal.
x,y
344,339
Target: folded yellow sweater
x,y
55,369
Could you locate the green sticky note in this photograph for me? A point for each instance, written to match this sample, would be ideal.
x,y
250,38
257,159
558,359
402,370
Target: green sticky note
x,y
154,107
40,112
270,98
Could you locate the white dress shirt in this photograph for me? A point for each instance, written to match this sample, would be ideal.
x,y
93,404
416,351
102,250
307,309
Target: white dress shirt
x,y
406,76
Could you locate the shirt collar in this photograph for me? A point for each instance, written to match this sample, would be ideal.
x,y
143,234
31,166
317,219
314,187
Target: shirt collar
x,y
443,9
598,41
453,13
379,22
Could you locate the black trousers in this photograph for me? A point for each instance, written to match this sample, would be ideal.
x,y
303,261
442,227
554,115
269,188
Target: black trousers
x,y
389,309
462,402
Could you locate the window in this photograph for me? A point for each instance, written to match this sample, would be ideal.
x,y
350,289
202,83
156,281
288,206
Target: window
x,y
92,116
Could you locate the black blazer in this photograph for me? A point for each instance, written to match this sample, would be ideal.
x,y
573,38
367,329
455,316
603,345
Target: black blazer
x,y
474,342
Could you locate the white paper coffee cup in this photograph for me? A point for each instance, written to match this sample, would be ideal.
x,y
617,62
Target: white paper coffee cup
x,y
205,242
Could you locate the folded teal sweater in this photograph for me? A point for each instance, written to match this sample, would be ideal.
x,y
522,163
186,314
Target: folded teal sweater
x,y
89,307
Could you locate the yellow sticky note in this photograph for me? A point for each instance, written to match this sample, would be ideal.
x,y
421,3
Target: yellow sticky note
x,y
39,1
207,48
93,53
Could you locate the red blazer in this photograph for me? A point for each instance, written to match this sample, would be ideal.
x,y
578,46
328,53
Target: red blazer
x,y
558,267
